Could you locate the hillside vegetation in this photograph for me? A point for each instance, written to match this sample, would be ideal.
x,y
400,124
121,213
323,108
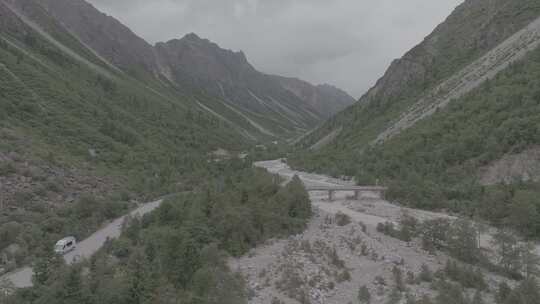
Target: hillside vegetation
x,y
274,108
436,163
473,29
80,140
177,253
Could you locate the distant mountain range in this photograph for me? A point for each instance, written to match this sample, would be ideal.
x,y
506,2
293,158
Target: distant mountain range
x,y
277,107
82,96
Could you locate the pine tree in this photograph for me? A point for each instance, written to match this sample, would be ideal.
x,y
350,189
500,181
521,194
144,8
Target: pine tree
x,y
72,289
502,293
528,292
426,275
531,261
508,251
299,202
398,278
425,300
364,296
395,297
462,242
46,266
478,299
139,290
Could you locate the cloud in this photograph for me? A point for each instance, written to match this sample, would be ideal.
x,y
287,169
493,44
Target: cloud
x,y
348,43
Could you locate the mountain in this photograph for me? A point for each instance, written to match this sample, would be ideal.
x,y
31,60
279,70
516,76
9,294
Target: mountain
x,y
270,101
449,121
82,141
470,32
92,125
269,104
318,96
93,118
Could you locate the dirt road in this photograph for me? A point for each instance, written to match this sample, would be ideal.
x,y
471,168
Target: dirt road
x,y
23,277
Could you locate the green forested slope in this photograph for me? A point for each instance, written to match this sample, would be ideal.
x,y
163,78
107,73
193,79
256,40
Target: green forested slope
x,y
70,108
79,139
177,254
436,164
473,29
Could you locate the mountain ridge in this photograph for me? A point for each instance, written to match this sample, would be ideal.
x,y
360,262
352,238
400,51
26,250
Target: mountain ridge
x,y
192,63
469,32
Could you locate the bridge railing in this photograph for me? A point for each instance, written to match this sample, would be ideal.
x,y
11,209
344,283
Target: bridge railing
x,y
356,189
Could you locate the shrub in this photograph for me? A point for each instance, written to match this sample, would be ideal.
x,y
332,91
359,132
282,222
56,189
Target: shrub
x,y
410,278
23,198
364,249
7,168
342,219
426,275
380,281
54,186
364,296
335,259
387,228
434,234
398,279
467,276
343,276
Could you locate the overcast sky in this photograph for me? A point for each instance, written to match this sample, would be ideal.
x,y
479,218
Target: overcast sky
x,y
347,43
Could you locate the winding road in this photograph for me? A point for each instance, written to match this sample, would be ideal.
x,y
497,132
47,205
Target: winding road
x,y
22,278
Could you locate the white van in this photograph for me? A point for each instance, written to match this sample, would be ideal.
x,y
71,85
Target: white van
x,y
65,245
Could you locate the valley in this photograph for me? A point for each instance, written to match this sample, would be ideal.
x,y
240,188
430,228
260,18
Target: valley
x,y
299,269
192,177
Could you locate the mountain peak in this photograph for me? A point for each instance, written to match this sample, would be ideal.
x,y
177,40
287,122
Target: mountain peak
x,y
192,36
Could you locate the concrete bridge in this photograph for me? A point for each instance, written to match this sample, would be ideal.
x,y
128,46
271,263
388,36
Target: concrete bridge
x,y
356,189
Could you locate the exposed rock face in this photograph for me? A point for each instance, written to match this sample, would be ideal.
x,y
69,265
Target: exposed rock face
x,y
202,64
104,34
192,63
318,96
488,66
475,27
521,167
205,60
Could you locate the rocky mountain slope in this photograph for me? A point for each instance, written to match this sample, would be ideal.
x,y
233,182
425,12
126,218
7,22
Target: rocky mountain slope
x,y
274,106
470,32
488,66
462,103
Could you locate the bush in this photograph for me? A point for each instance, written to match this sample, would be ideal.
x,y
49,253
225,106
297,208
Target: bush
x,y
342,219
343,276
55,186
387,228
467,276
364,296
398,279
435,234
86,207
7,168
426,275
23,198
